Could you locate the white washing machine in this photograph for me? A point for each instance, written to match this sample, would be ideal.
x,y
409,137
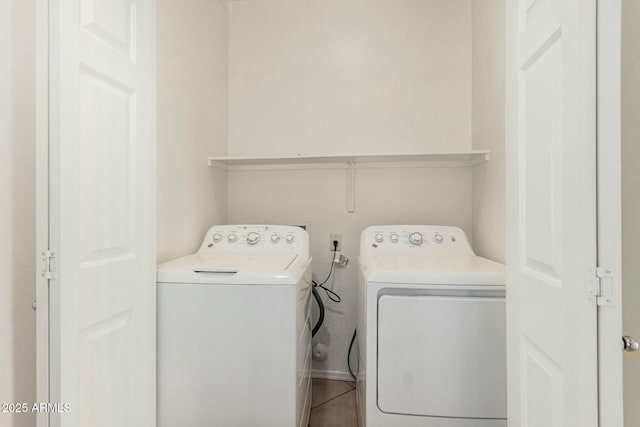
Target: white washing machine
x,y
234,330
431,330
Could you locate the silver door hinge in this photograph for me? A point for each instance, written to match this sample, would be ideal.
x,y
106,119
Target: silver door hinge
x,y
48,265
604,293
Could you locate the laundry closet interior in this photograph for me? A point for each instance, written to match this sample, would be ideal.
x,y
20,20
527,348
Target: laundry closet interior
x,y
335,115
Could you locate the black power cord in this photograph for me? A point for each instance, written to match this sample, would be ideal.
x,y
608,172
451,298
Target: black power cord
x,y
330,294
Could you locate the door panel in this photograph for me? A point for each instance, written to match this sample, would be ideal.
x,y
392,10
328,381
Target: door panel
x,y
552,213
102,184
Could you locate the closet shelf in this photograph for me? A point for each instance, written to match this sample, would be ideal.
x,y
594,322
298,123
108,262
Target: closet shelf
x,y
351,162
305,161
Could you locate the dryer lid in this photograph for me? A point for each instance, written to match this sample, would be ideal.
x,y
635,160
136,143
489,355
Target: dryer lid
x,y
420,269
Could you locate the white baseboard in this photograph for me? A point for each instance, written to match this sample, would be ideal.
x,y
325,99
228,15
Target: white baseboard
x,y
331,375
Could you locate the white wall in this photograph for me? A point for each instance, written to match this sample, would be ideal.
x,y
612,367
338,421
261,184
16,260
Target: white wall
x,y
17,207
349,76
488,128
317,198
192,121
631,202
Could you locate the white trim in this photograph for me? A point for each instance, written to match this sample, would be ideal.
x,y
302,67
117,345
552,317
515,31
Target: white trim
x,y
331,375
512,177
610,210
42,206
54,73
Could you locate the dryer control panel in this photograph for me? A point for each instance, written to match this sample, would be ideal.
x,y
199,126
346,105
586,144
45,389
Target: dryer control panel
x,y
254,237
428,239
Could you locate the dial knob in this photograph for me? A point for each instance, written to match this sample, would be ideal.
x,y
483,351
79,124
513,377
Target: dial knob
x,y
394,237
275,238
217,237
379,238
415,238
438,238
289,238
253,238
232,238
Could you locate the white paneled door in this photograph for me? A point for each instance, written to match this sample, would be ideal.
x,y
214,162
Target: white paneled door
x,y
552,311
102,212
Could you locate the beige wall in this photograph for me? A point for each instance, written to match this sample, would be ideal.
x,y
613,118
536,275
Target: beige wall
x,y
488,128
354,76
318,198
192,121
17,207
349,76
631,202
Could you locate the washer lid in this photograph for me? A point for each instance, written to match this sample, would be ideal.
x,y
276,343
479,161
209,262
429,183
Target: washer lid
x,y
259,268
398,268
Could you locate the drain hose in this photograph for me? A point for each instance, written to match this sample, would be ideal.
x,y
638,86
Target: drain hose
x,y
316,328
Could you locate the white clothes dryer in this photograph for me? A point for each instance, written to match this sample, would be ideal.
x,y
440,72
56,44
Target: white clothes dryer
x,y
431,330
234,330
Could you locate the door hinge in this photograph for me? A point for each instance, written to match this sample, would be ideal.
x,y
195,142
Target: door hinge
x,y
604,291
48,265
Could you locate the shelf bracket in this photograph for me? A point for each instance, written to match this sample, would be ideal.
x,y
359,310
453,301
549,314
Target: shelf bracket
x,y
351,186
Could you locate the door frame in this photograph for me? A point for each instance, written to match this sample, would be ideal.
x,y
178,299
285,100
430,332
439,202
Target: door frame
x,y
609,204
609,234
42,206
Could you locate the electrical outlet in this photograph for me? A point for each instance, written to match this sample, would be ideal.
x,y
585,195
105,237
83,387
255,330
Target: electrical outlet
x,y
332,238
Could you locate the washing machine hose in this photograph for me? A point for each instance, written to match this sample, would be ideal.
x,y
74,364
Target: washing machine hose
x,y
316,328
353,338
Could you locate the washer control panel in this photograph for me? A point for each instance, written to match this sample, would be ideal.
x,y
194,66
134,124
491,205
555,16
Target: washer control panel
x,y
428,238
265,238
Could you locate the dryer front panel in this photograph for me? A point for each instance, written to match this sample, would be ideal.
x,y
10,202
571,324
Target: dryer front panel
x,y
442,356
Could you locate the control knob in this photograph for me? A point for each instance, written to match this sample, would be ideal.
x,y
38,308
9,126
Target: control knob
x,y
415,238
379,238
289,238
438,238
232,237
275,238
217,237
253,238
394,237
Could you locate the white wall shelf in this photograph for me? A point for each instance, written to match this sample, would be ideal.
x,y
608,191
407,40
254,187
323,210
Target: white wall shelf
x,y
351,162
305,161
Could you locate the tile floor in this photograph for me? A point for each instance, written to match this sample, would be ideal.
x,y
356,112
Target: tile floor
x,y
333,404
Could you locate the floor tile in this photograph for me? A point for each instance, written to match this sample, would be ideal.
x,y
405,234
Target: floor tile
x,y
324,390
338,412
